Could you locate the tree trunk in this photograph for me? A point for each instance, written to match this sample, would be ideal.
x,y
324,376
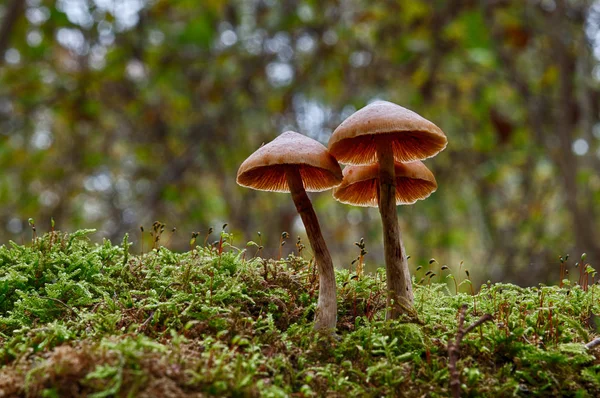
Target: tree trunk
x,y
326,315
582,214
396,265
13,13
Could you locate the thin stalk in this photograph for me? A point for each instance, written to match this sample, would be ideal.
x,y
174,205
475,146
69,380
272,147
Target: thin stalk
x,y
398,275
326,314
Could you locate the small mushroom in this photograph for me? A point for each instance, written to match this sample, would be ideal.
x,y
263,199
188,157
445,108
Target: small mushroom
x,y
360,186
385,133
295,163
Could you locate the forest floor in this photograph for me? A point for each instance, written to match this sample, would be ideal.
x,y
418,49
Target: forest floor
x,y
82,319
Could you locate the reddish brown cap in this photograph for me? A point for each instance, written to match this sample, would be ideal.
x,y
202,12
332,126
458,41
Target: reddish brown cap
x,y
414,181
265,168
411,136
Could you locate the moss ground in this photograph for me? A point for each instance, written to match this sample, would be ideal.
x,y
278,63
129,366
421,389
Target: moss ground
x,y
81,319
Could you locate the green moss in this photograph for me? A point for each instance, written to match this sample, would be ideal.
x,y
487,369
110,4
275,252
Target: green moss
x,y
89,319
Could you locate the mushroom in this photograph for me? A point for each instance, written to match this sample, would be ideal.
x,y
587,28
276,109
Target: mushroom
x,y
295,163
360,186
385,133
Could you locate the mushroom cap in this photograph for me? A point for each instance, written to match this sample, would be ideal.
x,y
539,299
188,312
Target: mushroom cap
x,y
411,136
414,181
265,169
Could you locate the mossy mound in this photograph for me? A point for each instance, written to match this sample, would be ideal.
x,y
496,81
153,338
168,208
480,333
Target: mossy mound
x,y
81,319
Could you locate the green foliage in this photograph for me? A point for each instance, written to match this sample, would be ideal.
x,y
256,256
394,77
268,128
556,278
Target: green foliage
x,y
94,318
114,114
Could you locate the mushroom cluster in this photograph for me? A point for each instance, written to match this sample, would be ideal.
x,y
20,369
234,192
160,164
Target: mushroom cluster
x,y
383,144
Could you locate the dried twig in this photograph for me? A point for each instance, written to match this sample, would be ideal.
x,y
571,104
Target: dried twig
x,y
142,327
453,348
61,303
593,343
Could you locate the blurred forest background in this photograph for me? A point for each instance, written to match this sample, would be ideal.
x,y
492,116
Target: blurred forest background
x,y
116,113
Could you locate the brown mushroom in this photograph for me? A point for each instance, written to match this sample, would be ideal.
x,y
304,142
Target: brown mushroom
x,y
385,133
383,124
295,163
360,186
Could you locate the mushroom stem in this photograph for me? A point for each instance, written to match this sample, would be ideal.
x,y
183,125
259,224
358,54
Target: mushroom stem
x,y
326,314
398,275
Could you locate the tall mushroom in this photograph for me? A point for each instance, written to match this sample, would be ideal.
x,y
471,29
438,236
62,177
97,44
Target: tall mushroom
x,y
295,163
384,133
